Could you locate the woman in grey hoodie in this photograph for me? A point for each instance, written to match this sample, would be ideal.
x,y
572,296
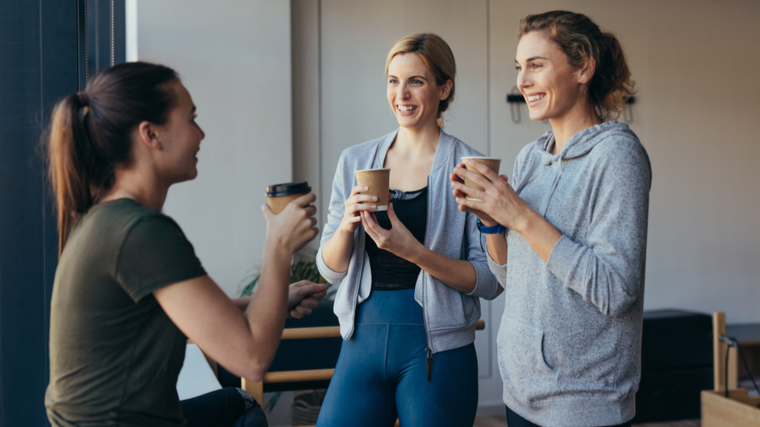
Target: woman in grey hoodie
x,y
410,279
568,236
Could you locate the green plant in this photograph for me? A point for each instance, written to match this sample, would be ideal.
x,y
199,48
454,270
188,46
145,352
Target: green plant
x,y
304,267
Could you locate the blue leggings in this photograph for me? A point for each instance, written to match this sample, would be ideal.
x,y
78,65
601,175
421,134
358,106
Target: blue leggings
x,y
382,372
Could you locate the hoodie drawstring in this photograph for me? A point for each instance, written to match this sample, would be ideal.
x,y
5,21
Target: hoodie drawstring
x,y
557,175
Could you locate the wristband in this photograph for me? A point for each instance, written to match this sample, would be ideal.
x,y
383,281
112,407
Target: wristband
x,y
496,229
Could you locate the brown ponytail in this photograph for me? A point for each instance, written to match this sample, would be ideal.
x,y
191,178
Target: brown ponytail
x,y
90,134
581,39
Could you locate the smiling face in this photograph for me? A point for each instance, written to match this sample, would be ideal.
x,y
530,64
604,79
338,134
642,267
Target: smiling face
x,y
180,139
553,89
413,93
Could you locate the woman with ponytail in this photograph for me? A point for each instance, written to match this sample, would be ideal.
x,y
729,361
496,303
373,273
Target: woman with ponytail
x,y
410,278
574,219
129,289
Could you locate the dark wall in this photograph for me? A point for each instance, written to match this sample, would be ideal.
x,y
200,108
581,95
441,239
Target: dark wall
x,y
38,64
41,60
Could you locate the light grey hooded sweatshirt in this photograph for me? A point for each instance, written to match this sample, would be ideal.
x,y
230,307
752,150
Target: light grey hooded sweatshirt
x,y
449,315
570,338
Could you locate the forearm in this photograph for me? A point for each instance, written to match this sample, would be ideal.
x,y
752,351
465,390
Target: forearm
x,y
242,303
539,233
266,312
455,273
337,250
497,247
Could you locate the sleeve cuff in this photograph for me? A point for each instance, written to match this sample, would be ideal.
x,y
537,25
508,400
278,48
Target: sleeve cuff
x,y
498,270
486,285
329,274
562,259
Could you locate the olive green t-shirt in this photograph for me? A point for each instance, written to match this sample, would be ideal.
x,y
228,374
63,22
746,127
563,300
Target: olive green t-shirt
x,y
114,354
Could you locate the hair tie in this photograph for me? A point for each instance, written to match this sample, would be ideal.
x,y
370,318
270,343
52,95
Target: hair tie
x,y
83,99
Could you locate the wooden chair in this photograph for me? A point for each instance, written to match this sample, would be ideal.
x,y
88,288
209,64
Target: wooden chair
x,y
738,409
306,357
256,389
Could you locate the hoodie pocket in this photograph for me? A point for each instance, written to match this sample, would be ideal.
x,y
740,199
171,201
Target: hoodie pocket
x,y
521,361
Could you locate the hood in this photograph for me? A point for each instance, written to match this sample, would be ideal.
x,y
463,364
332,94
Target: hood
x,y
582,142
578,146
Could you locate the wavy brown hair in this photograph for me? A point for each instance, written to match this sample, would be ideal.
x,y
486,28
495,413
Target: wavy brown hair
x,y
581,39
436,54
90,134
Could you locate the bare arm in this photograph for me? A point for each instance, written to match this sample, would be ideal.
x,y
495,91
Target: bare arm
x,y
302,298
458,274
496,243
245,343
337,251
502,205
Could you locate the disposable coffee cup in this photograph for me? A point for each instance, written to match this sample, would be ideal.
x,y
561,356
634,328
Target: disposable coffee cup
x,y
377,180
492,163
279,195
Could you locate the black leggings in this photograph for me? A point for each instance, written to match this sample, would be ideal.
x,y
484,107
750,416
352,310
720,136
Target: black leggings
x,y
228,407
514,420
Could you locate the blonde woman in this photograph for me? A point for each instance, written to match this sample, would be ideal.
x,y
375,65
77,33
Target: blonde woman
x,y
410,279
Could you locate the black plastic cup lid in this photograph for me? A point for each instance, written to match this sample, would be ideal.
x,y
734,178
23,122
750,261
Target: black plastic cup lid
x,y
288,188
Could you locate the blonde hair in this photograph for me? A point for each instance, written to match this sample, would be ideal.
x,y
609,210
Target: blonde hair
x,y
437,57
581,39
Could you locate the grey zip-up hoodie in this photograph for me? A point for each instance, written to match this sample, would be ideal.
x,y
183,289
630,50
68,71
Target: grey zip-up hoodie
x,y
570,337
449,315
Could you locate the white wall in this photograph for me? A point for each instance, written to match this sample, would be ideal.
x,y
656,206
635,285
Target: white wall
x,y
234,58
695,61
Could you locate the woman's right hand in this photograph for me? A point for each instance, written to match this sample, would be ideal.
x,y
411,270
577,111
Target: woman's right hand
x,y
295,226
356,203
484,217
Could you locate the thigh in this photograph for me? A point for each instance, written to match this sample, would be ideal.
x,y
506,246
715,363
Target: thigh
x,y
359,393
450,398
223,408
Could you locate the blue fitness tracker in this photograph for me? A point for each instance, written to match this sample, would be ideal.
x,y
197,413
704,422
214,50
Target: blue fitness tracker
x,y
496,229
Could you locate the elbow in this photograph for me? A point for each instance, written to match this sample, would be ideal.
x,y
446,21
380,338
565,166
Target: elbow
x,y
255,370
617,310
256,365
499,289
254,376
621,306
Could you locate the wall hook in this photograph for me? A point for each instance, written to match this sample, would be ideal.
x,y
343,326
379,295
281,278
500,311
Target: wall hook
x,y
628,111
514,100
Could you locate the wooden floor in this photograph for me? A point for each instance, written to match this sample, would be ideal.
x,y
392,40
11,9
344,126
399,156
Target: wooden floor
x,y
501,421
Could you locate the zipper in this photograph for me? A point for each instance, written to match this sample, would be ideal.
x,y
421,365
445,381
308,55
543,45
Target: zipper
x,y
356,293
429,363
428,352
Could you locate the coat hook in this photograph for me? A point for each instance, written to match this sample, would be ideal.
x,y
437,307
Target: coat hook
x,y
515,99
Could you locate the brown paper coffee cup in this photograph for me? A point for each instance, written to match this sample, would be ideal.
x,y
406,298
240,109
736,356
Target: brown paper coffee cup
x,y
279,195
491,162
377,180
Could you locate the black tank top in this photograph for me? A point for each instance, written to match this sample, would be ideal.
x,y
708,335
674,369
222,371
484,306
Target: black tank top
x,y
389,272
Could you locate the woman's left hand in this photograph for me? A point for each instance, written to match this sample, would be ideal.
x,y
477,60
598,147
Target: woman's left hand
x,y
398,240
302,298
499,199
